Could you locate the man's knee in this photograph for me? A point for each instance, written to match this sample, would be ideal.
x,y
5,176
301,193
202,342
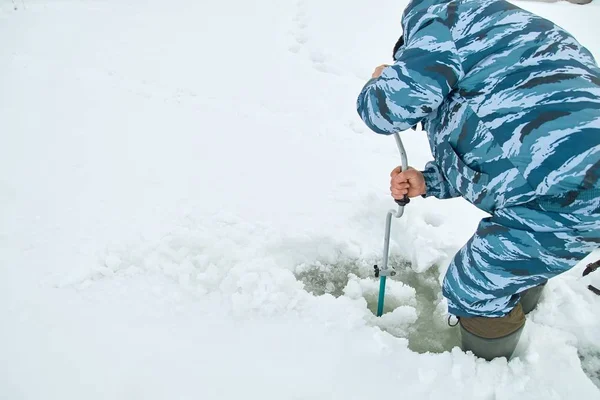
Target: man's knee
x,y
470,299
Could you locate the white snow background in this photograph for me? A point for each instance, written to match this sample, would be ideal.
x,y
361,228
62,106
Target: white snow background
x,y
190,208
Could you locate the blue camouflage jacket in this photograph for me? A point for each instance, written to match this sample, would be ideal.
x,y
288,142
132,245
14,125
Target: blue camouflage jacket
x,y
510,101
511,106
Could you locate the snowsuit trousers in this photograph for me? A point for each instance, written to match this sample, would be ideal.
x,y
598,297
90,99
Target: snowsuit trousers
x,y
513,250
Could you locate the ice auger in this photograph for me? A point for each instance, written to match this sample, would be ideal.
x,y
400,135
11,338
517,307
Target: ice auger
x,y
383,272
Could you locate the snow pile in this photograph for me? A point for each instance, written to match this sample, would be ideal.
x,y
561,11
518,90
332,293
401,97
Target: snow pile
x,y
191,208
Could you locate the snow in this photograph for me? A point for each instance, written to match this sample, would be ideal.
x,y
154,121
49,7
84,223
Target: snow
x,y
191,208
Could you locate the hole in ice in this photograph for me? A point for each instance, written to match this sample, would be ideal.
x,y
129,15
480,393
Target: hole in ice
x,y
412,303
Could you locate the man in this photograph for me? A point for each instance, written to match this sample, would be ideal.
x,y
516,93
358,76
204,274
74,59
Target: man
x,y
511,105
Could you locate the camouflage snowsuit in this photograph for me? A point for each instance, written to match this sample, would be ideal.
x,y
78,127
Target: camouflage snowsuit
x,y
511,104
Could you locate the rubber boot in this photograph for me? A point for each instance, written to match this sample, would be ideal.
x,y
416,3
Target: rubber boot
x,y
531,297
489,338
489,349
